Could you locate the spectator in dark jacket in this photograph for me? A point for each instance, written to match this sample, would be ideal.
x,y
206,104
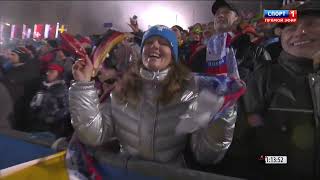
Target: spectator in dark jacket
x,y
182,44
283,102
66,60
271,38
49,107
22,81
7,109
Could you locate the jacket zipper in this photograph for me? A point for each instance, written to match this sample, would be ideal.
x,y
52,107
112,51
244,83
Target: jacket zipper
x,y
154,126
154,129
312,81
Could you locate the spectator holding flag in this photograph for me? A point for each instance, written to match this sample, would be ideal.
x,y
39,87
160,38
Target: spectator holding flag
x,y
22,80
249,56
156,105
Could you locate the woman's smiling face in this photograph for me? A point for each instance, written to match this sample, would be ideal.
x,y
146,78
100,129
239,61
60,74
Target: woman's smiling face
x,y
156,54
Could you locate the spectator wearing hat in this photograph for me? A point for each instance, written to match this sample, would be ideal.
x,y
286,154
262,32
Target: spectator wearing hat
x,y
271,38
7,109
283,102
66,59
195,42
49,107
47,46
46,58
182,43
248,55
177,29
157,96
22,80
5,65
249,58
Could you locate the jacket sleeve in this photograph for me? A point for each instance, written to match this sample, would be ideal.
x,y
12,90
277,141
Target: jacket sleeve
x,y
213,113
91,121
255,99
50,105
62,104
210,144
197,61
261,57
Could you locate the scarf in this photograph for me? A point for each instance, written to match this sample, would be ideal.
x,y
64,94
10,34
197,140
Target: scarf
x,y
220,57
49,84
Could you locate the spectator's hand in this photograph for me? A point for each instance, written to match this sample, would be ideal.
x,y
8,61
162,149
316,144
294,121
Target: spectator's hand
x,y
82,70
316,58
200,47
255,120
134,27
49,120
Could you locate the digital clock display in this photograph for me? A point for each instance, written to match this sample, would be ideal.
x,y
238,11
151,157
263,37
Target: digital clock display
x,y
275,159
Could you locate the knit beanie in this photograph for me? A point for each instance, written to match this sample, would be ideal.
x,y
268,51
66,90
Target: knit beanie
x,y
164,32
53,43
56,66
23,53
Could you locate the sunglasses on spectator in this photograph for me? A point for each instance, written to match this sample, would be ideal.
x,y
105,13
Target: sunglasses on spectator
x,y
110,81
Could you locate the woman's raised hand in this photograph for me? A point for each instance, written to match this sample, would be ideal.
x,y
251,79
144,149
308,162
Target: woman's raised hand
x,y
82,70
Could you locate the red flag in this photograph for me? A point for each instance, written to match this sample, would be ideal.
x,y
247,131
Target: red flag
x,y
71,44
38,32
52,32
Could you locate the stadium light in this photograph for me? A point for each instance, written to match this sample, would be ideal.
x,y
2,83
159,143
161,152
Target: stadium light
x,y
159,14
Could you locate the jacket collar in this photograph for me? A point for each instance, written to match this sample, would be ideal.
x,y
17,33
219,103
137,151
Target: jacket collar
x,y
151,75
47,84
18,64
296,65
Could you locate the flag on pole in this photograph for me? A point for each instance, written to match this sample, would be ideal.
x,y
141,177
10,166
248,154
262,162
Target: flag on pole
x,y
24,31
1,32
57,30
60,29
18,32
29,33
13,29
46,31
6,31
38,32
52,32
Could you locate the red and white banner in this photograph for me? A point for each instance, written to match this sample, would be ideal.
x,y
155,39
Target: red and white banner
x,y
49,31
38,31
